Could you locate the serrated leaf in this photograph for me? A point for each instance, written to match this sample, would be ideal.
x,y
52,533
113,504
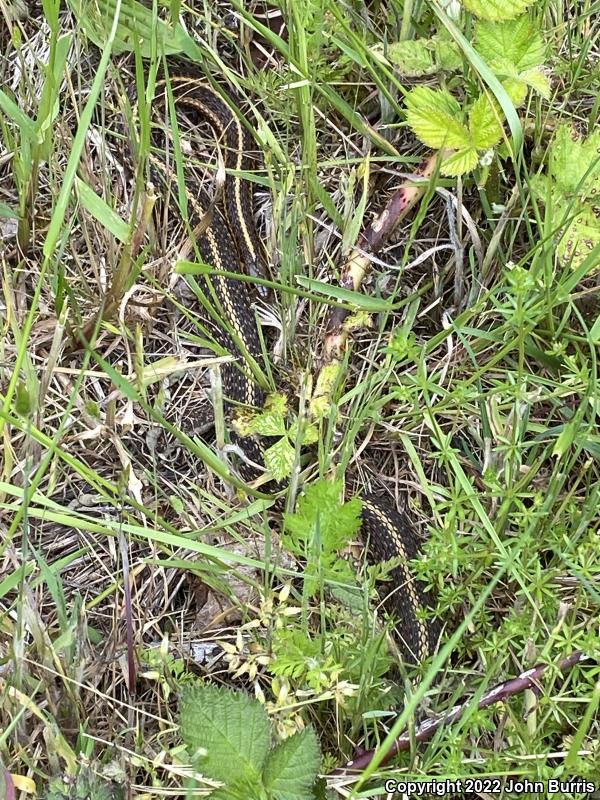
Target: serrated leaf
x,y
232,727
460,162
538,81
321,511
268,424
434,116
575,164
497,10
515,43
516,90
580,238
413,57
292,767
279,458
485,123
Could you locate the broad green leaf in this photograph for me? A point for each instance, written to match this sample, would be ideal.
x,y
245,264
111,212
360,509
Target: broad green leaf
x,y
580,238
515,42
516,90
231,727
268,424
497,10
417,57
538,81
460,162
434,116
320,510
575,164
413,57
279,458
485,123
292,767
101,211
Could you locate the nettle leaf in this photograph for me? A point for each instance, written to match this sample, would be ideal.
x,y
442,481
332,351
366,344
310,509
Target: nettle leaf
x,y
279,458
136,27
293,766
232,727
515,42
497,10
435,117
485,123
575,163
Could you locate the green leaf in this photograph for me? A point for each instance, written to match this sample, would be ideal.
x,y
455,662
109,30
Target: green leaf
x,y
413,57
101,211
279,458
516,43
516,90
6,212
292,767
497,10
575,164
321,513
267,424
232,729
580,238
538,81
485,123
460,162
137,27
434,115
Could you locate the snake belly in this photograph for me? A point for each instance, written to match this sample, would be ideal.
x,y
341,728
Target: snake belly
x,y
230,242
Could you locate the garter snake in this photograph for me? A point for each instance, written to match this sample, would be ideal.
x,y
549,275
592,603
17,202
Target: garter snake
x,y
230,242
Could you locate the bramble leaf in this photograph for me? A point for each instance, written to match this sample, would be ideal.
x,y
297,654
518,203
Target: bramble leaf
x,y
485,123
516,89
292,767
226,731
580,238
460,162
515,42
434,115
538,81
497,10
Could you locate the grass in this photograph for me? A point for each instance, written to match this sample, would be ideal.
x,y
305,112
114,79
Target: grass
x,y
132,556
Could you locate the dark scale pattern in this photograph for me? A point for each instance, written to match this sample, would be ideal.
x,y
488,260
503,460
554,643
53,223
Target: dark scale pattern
x,y
388,532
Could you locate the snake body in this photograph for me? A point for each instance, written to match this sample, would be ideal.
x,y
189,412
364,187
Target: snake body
x,y
230,242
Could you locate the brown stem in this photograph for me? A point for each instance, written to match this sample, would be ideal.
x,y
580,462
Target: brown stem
x,y
526,680
372,239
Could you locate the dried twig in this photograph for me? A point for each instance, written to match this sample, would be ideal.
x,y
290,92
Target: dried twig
x,y
526,680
